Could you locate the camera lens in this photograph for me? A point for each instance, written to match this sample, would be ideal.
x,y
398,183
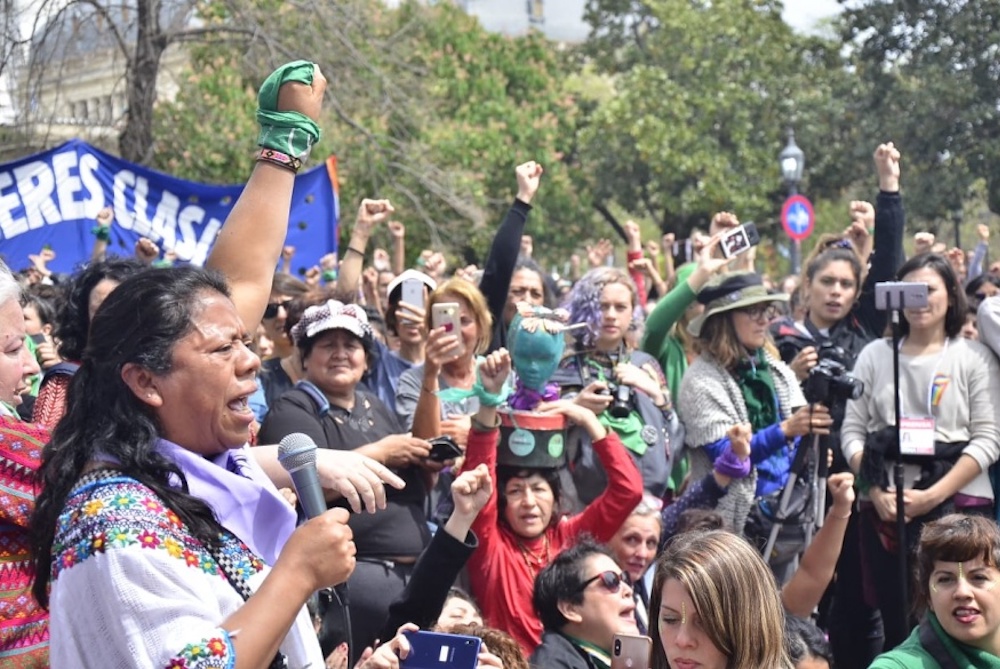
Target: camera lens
x,y
618,646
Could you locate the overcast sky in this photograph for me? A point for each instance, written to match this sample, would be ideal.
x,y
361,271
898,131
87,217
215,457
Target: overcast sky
x,y
564,18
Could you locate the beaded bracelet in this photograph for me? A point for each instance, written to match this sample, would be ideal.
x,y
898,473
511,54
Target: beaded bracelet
x,y
278,158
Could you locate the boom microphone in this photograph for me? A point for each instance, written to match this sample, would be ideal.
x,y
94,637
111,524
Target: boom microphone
x,y
297,454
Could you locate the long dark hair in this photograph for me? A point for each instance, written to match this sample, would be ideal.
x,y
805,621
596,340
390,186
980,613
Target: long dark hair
x,y
139,323
73,319
954,318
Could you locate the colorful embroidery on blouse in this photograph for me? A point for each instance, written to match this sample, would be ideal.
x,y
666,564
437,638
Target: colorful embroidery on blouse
x,y
120,512
214,653
24,626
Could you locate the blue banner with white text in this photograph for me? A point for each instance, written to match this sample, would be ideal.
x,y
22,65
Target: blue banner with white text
x,y
51,199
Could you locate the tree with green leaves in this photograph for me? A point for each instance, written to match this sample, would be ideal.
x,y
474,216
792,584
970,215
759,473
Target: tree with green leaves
x,y
704,94
928,80
428,109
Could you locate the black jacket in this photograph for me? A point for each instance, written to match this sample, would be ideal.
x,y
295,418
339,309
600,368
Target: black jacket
x,y
558,652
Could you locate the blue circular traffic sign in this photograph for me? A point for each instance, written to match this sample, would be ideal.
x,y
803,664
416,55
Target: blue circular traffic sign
x,y
797,217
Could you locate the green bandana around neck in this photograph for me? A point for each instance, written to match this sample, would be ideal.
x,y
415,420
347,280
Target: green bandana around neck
x,y
599,656
629,428
757,385
963,654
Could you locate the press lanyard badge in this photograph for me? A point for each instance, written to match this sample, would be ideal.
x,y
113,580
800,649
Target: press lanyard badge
x,y
916,436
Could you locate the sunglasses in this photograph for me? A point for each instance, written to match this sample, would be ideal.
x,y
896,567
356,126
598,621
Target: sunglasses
x,y
271,310
611,580
768,312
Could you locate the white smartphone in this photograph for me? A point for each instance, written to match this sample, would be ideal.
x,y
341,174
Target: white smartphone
x,y
413,292
900,295
631,652
448,315
740,239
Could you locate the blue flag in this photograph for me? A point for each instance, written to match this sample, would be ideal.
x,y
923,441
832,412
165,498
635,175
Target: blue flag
x,y
53,198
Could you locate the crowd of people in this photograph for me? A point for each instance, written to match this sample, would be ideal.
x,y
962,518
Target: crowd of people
x,y
725,484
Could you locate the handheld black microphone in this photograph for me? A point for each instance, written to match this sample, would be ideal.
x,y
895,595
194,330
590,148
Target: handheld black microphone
x,y
297,454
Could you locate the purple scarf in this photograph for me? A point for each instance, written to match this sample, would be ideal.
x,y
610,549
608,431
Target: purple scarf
x,y
526,399
244,500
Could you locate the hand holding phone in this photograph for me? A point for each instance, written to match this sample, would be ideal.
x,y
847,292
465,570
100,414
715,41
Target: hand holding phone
x,y
740,239
443,448
434,650
413,292
448,315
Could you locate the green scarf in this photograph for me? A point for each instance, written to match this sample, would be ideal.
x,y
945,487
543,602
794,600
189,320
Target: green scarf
x,y
629,428
755,380
598,656
963,654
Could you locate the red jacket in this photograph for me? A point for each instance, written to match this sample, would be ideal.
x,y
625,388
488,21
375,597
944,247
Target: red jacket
x,y
501,579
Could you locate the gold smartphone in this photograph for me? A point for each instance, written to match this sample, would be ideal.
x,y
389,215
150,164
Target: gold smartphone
x,y
631,652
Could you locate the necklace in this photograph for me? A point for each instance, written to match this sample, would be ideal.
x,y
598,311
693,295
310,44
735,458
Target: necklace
x,y
535,561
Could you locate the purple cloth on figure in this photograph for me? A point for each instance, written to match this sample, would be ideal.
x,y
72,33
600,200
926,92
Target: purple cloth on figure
x,y
729,464
526,399
244,500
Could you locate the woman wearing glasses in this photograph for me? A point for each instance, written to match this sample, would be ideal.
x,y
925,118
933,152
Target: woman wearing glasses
x,y
738,379
583,599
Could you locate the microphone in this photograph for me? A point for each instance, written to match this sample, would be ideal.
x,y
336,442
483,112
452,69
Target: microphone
x,y
297,454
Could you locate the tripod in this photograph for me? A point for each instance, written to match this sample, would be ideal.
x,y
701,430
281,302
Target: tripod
x,y
811,461
894,297
897,468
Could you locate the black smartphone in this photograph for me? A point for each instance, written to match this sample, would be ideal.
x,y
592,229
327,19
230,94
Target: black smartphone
x,y
38,338
443,448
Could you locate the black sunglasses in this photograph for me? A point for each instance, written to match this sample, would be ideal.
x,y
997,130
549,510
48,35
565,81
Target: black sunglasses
x,y
611,580
271,310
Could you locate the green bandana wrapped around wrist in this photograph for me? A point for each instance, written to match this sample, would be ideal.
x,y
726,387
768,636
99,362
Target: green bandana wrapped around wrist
x,y
289,132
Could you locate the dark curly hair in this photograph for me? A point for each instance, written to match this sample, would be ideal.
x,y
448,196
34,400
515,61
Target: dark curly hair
x,y
139,323
73,321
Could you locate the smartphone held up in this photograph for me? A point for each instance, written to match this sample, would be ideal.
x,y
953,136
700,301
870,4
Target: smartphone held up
x,y
739,240
448,315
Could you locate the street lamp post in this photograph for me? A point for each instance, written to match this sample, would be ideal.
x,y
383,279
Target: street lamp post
x,y
792,162
957,217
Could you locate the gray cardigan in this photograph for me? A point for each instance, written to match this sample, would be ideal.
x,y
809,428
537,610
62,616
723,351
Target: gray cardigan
x,y
710,403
